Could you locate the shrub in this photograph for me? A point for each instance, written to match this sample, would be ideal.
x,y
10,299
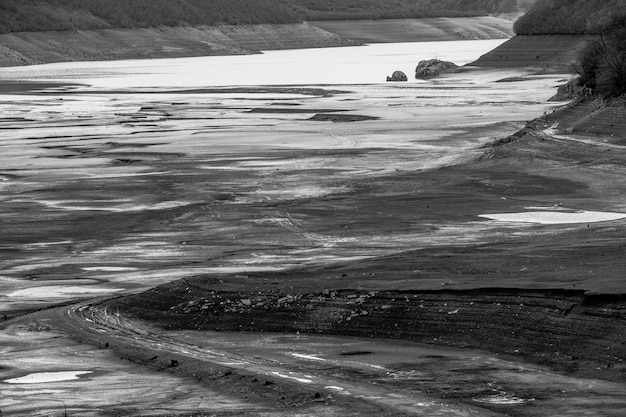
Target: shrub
x,y
548,17
602,64
40,15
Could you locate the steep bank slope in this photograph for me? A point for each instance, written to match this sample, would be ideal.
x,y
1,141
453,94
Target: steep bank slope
x,y
27,48
420,30
551,53
568,16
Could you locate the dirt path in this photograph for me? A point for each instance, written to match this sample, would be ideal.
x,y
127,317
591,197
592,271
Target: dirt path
x,y
91,322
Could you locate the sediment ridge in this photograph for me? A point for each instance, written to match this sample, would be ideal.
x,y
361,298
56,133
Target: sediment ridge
x,y
566,330
29,48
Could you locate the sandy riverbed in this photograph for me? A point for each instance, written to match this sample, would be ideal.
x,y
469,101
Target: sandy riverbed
x,y
109,191
106,192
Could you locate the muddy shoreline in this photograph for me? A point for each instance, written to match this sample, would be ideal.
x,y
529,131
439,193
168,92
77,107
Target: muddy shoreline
x,y
555,299
268,221
563,330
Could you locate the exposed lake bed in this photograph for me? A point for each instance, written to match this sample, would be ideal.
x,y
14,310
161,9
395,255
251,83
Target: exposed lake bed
x,y
241,189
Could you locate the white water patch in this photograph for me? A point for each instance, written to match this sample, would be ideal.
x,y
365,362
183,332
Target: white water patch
x,y
76,205
308,357
502,399
59,291
46,377
108,269
127,174
46,244
302,192
285,261
236,269
555,217
295,378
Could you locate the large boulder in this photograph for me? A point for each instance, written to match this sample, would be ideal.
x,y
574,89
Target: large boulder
x,y
433,67
398,76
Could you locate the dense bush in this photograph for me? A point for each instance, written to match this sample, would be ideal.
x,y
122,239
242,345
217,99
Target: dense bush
x,y
602,64
38,15
487,6
568,16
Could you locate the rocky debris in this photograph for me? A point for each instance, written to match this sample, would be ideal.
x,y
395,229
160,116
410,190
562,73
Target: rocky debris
x,y
397,76
432,68
532,126
547,327
570,91
215,303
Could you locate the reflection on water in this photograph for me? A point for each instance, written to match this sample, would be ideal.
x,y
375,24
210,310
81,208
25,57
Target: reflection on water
x,y
347,65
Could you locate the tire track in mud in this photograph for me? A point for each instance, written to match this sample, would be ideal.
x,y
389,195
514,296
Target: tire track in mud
x,y
93,322
284,219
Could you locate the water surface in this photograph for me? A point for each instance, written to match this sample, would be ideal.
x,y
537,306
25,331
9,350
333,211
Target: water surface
x,y
345,65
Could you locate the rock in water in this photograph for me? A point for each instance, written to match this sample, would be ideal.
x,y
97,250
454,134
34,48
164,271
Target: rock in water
x,y
433,67
398,76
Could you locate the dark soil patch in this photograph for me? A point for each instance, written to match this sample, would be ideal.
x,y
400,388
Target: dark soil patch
x,y
272,110
560,329
21,88
357,353
341,118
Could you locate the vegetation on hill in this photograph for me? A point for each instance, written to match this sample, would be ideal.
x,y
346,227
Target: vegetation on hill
x,y
41,15
376,9
602,64
551,17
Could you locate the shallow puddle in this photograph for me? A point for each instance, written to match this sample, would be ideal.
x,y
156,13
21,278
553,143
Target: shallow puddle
x,y
46,377
60,291
555,217
502,399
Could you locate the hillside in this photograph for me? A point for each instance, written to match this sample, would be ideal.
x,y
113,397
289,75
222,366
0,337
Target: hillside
x,y
68,15
543,53
419,30
549,17
31,48
586,37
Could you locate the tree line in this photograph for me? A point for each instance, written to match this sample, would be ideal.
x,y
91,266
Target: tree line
x,y
568,16
42,15
601,65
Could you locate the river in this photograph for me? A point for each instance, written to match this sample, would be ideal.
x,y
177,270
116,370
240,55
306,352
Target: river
x,y
368,64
